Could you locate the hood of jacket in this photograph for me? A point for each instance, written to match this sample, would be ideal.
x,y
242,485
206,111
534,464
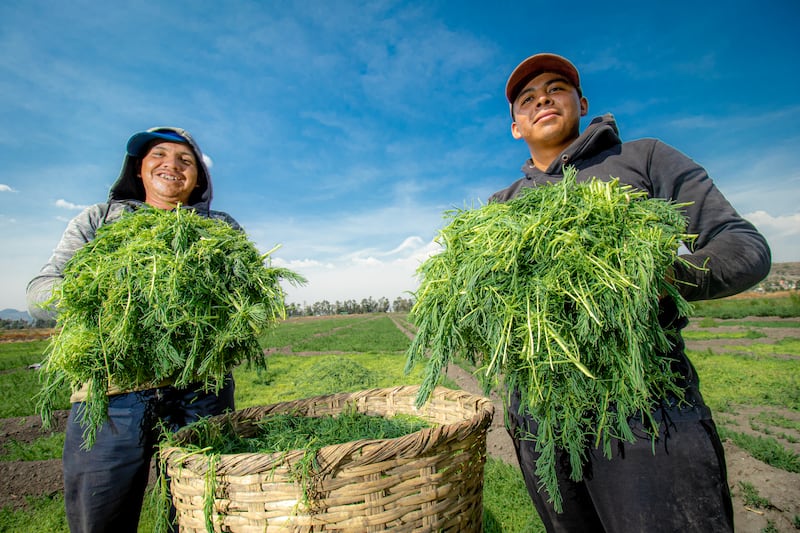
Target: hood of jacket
x,y
129,186
601,134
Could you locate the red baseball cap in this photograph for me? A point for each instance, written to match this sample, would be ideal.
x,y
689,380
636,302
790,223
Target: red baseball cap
x,y
535,65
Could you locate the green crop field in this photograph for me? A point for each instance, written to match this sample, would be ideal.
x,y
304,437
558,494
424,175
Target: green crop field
x,y
752,364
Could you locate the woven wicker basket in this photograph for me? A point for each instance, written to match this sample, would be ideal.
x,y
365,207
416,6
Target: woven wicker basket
x,y
430,480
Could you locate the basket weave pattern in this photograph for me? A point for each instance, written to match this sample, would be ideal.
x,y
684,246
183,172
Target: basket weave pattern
x,y
430,480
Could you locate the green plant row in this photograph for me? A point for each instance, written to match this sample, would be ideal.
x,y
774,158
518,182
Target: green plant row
x,y
294,330
765,449
711,322
730,379
783,306
364,333
697,335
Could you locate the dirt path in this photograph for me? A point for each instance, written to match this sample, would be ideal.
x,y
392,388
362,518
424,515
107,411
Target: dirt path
x,y
498,442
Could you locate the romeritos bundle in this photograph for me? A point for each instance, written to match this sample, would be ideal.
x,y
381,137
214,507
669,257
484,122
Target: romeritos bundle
x,y
159,297
555,294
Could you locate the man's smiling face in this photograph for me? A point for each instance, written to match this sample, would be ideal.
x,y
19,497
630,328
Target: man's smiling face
x,y
547,112
169,174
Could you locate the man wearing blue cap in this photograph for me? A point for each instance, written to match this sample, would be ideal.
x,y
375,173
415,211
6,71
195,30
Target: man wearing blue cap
x,y
678,482
104,486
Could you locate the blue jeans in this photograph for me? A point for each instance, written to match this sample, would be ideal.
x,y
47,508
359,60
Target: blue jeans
x,y
104,487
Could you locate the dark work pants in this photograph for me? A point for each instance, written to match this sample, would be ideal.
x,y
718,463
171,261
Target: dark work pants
x,y
681,488
104,487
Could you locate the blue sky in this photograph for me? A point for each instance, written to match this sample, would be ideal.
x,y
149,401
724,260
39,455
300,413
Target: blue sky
x,y
344,130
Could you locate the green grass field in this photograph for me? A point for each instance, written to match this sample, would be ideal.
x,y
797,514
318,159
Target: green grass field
x,y
358,352
354,353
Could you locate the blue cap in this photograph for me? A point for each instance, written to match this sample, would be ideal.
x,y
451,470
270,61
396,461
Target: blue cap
x,y
139,141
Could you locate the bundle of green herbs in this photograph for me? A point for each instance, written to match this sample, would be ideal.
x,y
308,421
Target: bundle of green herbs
x,y
555,294
276,433
159,296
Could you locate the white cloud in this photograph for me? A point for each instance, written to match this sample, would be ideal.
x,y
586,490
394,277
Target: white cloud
x,y
337,238
6,188
301,264
412,244
361,276
367,261
782,233
64,204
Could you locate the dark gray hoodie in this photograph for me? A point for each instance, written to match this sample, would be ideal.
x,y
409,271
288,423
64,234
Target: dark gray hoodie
x,y
126,194
735,255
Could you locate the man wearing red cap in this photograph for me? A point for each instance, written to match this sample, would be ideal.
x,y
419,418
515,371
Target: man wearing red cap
x,y
680,484
105,485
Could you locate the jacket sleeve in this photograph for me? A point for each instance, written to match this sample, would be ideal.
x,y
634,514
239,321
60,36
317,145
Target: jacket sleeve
x,y
225,217
79,231
729,255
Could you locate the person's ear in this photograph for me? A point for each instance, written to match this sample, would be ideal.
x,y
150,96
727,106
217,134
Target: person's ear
x,y
584,106
515,131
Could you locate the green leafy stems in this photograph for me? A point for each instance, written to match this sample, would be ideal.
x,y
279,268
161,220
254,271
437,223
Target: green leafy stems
x,y
159,297
555,294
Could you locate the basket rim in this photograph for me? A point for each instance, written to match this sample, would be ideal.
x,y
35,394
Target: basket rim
x,y
415,443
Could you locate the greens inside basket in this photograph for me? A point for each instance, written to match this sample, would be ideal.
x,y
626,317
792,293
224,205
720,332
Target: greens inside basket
x,y
283,432
278,433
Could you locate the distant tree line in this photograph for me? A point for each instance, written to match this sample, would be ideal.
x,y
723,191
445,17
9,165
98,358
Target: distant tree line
x,y
346,307
351,307
18,323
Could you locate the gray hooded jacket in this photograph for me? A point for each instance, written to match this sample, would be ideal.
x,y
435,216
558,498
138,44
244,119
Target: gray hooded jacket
x,y
127,194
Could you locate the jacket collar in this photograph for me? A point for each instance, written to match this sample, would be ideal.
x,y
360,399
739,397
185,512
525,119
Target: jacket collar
x,y
599,135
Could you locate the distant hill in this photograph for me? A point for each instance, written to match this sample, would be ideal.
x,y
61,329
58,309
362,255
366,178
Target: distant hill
x,y
13,314
790,270
781,277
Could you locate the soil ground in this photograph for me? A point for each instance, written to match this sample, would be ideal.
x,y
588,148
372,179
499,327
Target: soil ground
x,y
781,489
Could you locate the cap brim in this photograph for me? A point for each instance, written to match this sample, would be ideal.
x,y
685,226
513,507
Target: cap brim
x,y
139,141
537,64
